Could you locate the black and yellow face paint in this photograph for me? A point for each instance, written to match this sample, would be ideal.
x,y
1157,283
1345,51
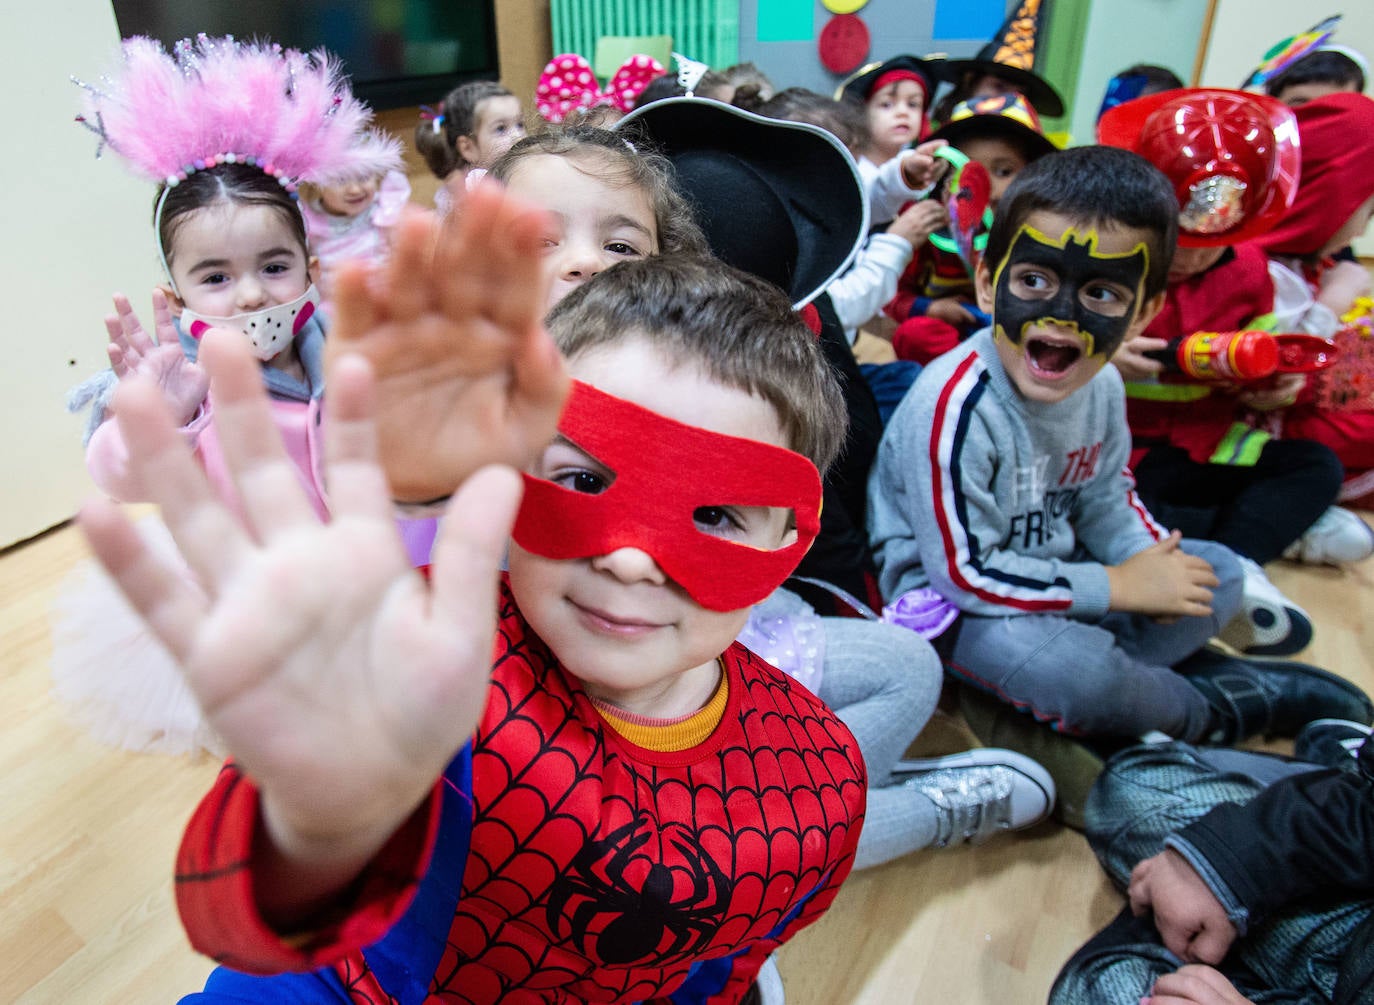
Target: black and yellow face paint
x,y
1072,269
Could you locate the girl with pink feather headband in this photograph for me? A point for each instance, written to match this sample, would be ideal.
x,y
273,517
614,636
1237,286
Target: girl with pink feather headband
x,y
227,130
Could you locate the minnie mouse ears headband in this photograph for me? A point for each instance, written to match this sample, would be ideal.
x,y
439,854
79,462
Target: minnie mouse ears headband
x,y
218,101
568,85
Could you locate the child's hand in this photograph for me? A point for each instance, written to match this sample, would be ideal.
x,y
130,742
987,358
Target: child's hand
x,y
952,310
1342,284
1195,984
341,682
1190,919
466,374
1282,392
157,359
1132,362
1163,580
918,221
921,169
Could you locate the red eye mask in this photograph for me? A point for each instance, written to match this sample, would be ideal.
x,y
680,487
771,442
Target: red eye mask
x,y
665,471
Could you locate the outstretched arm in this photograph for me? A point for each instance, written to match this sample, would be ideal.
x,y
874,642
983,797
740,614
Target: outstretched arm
x,y
341,682
466,375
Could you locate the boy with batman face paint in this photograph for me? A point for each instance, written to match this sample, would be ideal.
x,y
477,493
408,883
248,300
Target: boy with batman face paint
x,y
1064,305
1001,483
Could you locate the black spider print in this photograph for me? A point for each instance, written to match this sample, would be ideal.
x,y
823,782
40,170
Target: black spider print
x,y
597,886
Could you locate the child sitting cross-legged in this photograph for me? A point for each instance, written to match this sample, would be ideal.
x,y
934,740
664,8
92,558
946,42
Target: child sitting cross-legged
x,y
563,783
1000,482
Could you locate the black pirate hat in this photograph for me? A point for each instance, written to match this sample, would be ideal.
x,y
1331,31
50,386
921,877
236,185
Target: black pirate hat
x,y
781,200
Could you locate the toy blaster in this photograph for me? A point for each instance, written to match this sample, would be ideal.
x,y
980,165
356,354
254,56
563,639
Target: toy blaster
x,y
1245,356
968,192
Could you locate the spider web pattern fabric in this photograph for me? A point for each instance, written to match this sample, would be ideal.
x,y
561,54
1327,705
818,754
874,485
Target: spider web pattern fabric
x,y
601,871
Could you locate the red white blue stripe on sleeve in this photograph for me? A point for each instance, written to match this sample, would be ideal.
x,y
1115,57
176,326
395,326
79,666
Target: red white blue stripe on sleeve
x,y
954,410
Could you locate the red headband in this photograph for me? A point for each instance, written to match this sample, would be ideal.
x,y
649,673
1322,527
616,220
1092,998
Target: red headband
x,y
664,471
893,77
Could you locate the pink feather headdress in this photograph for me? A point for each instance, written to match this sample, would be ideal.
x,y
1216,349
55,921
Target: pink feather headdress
x,y
221,101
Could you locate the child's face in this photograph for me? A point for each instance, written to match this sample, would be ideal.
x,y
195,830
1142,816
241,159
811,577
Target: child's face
x,y
989,85
230,259
894,116
499,124
1002,159
1189,262
1295,95
351,199
595,223
1063,300
616,621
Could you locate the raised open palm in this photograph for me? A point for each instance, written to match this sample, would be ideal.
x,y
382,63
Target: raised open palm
x,y
452,327
340,680
157,358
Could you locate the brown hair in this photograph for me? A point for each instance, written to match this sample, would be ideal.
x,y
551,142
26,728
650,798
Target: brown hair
x,y
845,120
439,146
740,330
240,184
1096,185
608,156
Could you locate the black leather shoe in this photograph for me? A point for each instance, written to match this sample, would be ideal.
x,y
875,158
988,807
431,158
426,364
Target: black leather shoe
x,y
1271,697
1332,743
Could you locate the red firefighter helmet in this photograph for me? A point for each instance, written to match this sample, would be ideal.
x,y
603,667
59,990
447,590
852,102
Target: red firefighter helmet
x,y
1232,157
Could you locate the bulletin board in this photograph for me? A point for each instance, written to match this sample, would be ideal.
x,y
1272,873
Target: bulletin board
x,y
783,36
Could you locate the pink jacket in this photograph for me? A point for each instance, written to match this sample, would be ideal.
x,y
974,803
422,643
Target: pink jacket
x,y
107,455
299,421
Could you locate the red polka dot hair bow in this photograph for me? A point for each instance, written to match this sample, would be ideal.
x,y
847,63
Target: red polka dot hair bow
x,y
568,84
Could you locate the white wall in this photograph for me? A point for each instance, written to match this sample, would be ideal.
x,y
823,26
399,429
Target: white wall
x,y
1121,33
76,229
1245,29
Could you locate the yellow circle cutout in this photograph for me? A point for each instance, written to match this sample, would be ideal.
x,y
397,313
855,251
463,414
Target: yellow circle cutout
x,y
842,6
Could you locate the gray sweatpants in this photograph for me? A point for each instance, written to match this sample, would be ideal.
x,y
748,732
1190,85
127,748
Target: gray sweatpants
x,y
1109,678
883,683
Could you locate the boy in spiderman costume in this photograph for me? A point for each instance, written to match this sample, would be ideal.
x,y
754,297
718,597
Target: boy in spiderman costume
x,y
615,803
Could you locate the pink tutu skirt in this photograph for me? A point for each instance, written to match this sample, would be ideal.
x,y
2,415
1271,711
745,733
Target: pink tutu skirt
x,y
112,676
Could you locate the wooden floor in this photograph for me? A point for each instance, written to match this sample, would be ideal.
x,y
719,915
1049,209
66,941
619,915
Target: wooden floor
x,y
87,837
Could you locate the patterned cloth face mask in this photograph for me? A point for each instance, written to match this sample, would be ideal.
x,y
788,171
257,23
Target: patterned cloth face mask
x,y
664,473
270,330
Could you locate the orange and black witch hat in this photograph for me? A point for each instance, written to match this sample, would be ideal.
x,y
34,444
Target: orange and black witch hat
x,y
1011,55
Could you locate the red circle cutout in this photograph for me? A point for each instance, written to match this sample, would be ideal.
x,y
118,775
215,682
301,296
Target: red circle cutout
x,y
844,43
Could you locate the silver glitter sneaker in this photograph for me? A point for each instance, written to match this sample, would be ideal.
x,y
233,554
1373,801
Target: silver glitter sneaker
x,y
981,792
